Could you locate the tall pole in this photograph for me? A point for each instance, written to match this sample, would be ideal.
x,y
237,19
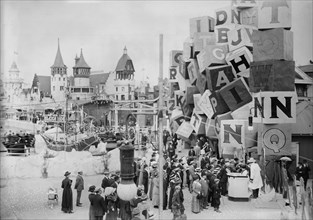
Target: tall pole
x,y
161,124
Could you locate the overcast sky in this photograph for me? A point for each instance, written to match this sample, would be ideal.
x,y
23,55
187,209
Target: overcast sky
x,y
103,28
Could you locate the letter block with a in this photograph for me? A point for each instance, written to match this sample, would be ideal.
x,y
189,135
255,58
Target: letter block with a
x,y
218,77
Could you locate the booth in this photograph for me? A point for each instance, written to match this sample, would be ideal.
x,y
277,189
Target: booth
x,y
238,186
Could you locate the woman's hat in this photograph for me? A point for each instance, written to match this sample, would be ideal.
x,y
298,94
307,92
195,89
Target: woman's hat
x,y
91,188
67,173
98,190
251,160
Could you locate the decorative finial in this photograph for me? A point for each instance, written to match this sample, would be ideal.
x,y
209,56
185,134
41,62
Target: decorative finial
x,y
125,50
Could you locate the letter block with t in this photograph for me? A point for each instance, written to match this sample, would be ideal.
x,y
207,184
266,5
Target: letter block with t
x,y
218,77
275,44
193,71
212,55
240,60
218,104
272,75
240,36
232,135
175,57
227,15
274,14
236,94
274,107
203,24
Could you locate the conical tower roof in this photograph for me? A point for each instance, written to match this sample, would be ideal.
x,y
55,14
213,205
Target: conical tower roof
x,y
81,62
122,61
14,67
58,62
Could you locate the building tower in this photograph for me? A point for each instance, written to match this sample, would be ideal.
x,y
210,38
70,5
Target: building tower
x,y
124,78
81,89
58,77
13,86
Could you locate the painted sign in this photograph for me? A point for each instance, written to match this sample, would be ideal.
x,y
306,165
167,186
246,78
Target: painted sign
x,y
232,135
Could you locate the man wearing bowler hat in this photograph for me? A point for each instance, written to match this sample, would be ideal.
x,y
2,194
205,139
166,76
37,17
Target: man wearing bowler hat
x,y
79,186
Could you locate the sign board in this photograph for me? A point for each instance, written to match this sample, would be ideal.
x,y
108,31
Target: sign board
x,y
274,107
275,139
218,122
232,135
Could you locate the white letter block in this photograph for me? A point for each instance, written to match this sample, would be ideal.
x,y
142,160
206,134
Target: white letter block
x,y
275,139
241,4
201,24
275,44
197,109
212,55
198,123
221,33
249,16
240,36
193,71
185,129
205,104
277,107
175,57
240,60
232,135
274,14
227,15
201,40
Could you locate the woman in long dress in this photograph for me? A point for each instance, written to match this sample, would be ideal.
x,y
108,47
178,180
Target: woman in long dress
x,y
196,190
155,192
67,196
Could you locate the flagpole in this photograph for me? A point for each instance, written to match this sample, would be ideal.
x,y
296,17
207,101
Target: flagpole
x,y
160,124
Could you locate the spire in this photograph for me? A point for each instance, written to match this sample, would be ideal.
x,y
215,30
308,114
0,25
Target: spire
x,y
81,62
58,62
13,67
125,50
76,59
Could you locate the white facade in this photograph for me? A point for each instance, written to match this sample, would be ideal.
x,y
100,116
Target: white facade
x,y
124,89
58,86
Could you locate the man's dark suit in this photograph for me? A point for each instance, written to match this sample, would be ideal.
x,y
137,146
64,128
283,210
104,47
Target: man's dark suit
x,y
98,206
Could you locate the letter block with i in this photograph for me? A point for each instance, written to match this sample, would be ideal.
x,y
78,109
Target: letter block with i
x,y
236,94
203,24
240,60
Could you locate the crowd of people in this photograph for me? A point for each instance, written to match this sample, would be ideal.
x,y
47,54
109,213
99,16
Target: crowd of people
x,y
201,172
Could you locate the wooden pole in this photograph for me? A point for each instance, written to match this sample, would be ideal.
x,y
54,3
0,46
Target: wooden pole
x,y
161,124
